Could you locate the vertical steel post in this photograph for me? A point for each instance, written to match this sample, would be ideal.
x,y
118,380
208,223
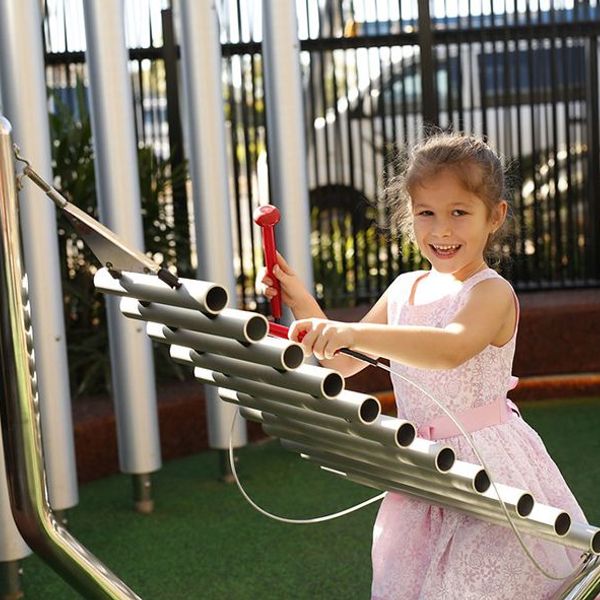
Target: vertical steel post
x,y
201,57
26,105
593,154
177,151
19,401
119,203
286,134
428,90
12,546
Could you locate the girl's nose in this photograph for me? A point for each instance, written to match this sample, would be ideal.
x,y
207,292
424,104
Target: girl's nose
x,y
442,227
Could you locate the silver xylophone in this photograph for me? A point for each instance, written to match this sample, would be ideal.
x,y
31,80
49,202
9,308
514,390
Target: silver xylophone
x,y
342,431
306,406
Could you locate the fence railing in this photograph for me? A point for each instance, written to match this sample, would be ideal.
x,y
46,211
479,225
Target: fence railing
x,y
526,80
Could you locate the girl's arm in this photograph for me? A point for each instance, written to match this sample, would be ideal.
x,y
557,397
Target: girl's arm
x,y
488,317
304,306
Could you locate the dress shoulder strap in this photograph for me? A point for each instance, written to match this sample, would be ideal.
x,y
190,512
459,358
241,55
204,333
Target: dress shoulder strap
x,y
486,273
490,274
403,284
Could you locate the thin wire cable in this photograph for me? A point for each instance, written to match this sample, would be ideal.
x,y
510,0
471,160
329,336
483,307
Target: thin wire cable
x,y
271,515
463,432
473,446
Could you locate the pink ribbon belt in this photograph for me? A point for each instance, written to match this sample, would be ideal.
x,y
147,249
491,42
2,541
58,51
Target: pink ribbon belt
x,y
474,419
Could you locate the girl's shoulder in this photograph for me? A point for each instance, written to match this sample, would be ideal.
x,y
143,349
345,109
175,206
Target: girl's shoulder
x,y
496,288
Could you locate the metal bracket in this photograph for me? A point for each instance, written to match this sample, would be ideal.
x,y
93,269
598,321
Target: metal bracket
x,y
107,246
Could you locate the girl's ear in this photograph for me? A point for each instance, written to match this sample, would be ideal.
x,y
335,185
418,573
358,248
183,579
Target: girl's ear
x,y
499,215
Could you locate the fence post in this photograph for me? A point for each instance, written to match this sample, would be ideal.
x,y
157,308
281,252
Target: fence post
x,y
593,182
170,54
428,88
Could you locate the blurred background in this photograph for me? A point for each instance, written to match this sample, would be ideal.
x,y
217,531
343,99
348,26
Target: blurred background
x,y
522,73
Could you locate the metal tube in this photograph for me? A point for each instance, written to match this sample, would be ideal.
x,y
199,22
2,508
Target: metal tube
x,y
524,524
435,486
251,414
471,503
485,513
286,133
461,476
351,406
12,546
400,433
455,478
117,185
421,453
584,536
25,103
297,431
205,133
190,293
240,325
533,518
284,410
584,585
10,580
319,382
272,352
20,420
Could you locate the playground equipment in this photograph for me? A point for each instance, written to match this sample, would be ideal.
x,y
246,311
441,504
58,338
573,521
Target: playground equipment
x,y
19,409
304,405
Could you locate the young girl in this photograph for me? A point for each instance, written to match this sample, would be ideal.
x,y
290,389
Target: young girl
x,y
451,330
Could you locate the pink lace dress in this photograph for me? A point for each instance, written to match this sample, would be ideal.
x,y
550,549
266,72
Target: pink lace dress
x,y
424,552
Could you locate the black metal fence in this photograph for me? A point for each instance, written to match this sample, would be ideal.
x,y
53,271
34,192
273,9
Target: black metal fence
x,y
375,74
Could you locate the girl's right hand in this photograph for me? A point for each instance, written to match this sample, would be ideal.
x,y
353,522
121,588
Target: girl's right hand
x,y
293,292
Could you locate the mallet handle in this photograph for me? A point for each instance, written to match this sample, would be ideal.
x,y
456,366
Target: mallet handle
x,y
266,217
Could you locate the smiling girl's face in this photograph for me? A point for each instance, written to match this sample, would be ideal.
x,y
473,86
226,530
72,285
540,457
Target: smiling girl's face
x,y
452,225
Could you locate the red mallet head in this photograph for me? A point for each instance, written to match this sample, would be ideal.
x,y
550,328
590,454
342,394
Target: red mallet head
x,y
266,216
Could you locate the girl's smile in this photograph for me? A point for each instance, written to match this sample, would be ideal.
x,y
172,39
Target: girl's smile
x,y
445,251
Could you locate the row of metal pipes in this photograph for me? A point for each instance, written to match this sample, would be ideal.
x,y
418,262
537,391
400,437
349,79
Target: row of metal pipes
x,y
23,101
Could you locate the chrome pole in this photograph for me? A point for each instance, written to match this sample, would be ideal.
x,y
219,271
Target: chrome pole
x,y
25,104
201,75
118,190
20,415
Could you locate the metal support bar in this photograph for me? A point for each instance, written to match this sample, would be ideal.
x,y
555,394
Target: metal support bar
x,y
119,203
201,65
286,132
25,103
20,419
10,580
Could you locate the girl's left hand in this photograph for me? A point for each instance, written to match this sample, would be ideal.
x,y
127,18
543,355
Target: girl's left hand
x,y
321,337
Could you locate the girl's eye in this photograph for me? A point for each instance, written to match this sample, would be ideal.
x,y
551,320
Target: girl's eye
x,y
458,212
424,213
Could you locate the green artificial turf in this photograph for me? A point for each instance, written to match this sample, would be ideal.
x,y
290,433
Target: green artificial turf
x,y
205,542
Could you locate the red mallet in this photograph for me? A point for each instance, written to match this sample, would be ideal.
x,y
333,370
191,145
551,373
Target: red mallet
x,y
266,217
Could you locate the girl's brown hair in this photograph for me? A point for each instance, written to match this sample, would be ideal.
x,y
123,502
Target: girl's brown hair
x,y
470,159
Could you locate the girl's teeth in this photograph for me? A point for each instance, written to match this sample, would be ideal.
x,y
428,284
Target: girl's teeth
x,y
448,250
